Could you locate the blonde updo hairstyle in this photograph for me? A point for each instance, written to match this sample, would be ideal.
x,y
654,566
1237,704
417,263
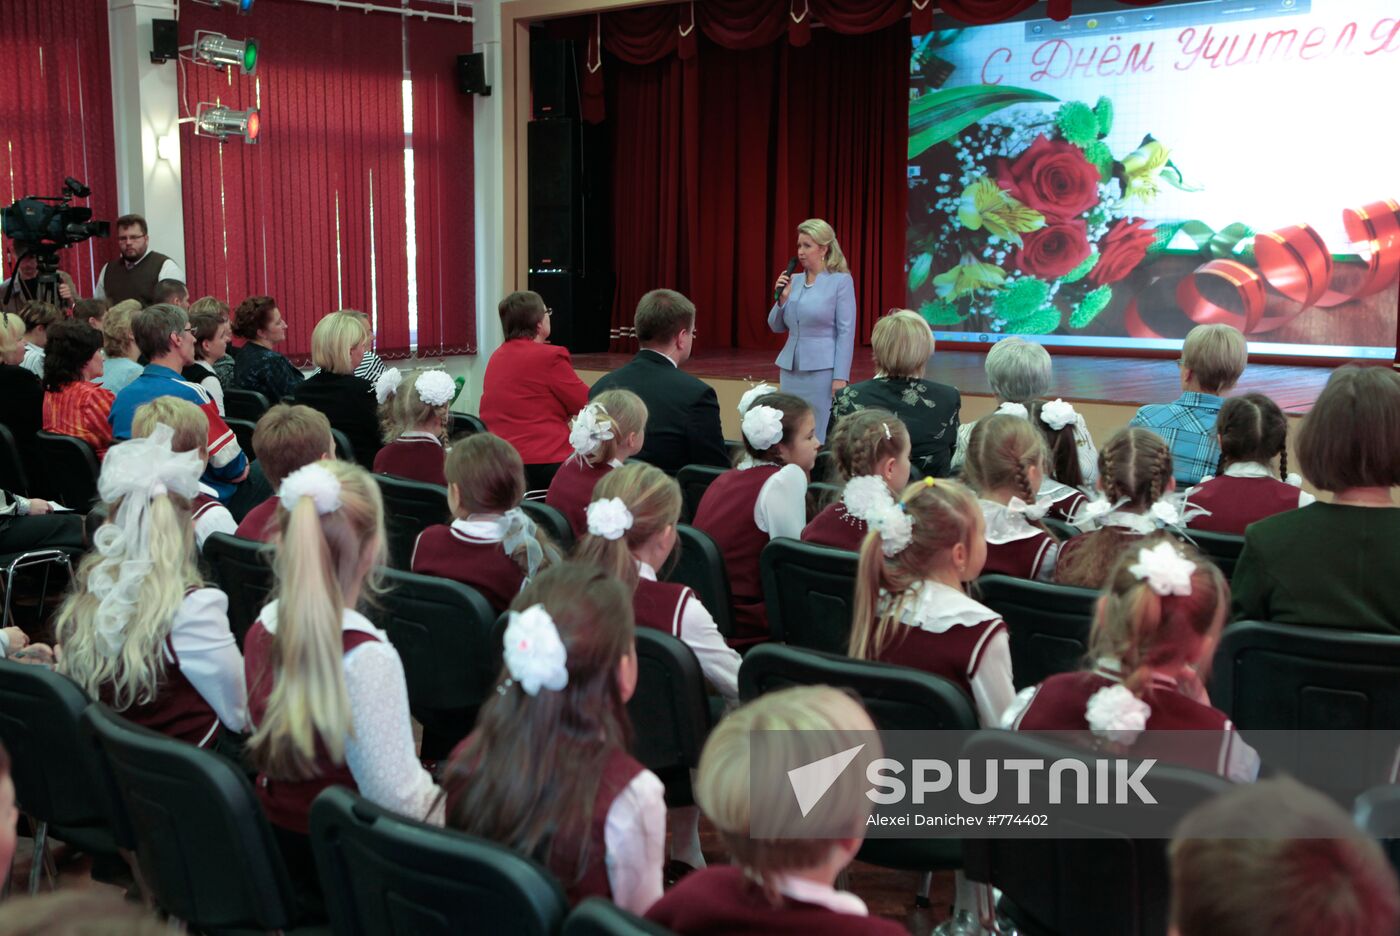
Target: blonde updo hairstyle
x,y
405,411
822,235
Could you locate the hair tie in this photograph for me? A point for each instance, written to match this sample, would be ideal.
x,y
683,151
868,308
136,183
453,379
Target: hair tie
x,y
591,428
435,387
928,481
1057,414
868,498
313,481
1013,409
609,518
886,427
534,653
387,385
1166,571
1117,715
763,427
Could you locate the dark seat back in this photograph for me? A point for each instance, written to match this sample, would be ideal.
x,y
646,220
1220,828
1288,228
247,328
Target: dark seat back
x,y
72,470
598,917
554,524
384,875
1074,884
243,430
1223,548
52,768
12,474
245,404
206,851
1377,813
1060,529
464,424
442,632
343,449
243,569
669,711
810,592
821,495
695,480
1048,625
700,566
410,507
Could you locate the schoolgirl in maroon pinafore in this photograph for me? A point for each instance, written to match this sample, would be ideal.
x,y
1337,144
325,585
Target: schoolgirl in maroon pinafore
x,y
871,443
414,420
1005,463
605,433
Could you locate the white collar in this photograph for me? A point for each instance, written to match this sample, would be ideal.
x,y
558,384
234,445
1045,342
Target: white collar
x,y
483,528
1133,522
418,435
938,608
614,463
664,356
204,364
350,620
1004,526
207,491
1054,490
1112,668
1249,470
822,895
645,570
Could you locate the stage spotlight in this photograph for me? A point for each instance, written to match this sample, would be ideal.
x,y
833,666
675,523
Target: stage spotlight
x,y
215,120
245,6
211,48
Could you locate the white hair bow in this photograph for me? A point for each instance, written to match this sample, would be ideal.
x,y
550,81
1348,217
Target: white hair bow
x,y
1165,570
763,427
591,428
753,393
387,385
1117,715
534,653
1030,511
435,387
1014,409
1057,414
313,481
868,498
609,518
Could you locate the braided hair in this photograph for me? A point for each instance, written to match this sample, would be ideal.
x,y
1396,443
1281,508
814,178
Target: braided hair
x,y
1252,428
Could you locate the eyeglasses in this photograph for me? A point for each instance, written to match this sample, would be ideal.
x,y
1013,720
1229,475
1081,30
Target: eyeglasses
x,y
548,311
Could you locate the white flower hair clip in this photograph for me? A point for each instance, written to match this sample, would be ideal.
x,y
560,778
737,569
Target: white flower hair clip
x,y
753,393
868,498
591,428
1014,409
609,518
1057,414
312,481
1166,571
534,653
1034,511
435,387
1117,715
387,385
763,427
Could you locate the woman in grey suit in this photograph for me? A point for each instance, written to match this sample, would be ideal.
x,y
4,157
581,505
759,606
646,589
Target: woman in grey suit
x,y
818,312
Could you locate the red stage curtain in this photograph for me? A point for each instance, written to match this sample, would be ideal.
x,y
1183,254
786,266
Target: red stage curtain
x,y
56,114
291,216
717,159
444,198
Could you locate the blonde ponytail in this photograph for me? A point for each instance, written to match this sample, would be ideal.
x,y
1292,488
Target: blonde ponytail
x,y
652,497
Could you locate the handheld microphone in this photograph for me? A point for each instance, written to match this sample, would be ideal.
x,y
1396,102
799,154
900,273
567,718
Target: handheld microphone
x,y
792,265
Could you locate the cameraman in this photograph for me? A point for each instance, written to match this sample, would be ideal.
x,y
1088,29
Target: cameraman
x,y
24,284
140,269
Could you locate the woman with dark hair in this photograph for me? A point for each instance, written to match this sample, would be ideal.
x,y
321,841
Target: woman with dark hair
x,y
258,366
212,334
530,391
73,404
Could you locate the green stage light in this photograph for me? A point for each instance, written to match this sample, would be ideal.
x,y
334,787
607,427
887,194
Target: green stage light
x,y
211,48
250,56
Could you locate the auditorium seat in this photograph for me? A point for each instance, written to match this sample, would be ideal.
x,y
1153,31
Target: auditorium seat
x,y
343,449
384,875
1075,884
442,632
821,495
1060,529
461,425
245,404
810,593
824,468
72,471
695,480
52,768
670,712
701,567
1223,548
1048,625
206,851
554,524
410,507
13,478
599,917
1377,813
243,569
243,430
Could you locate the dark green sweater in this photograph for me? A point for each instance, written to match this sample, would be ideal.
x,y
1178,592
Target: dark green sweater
x,y
1325,565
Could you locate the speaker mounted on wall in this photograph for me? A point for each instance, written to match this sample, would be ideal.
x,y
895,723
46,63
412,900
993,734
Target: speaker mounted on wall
x,y
165,41
471,74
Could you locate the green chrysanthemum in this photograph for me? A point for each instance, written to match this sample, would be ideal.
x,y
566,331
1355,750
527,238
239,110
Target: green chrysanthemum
x,y
1103,112
1077,123
940,313
1090,307
1081,271
1023,298
1101,157
1042,322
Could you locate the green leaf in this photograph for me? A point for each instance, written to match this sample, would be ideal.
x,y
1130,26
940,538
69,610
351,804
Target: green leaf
x,y
919,271
940,313
944,114
1081,271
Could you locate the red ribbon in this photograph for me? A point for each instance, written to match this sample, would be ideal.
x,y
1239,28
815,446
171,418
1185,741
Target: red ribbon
x,y
1296,262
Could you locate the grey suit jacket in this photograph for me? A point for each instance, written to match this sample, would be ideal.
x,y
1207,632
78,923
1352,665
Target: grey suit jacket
x,y
820,321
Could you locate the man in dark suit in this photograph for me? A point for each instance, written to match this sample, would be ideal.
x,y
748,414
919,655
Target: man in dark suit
x,y
683,425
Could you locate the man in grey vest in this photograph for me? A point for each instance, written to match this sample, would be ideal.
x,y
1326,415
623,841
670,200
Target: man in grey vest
x,y
135,276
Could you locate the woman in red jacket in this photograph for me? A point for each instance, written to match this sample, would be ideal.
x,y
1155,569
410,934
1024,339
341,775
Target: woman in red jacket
x,y
531,391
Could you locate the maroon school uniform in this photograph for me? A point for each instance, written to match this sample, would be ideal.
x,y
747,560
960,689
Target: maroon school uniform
x,y
1061,702
1064,500
726,513
1236,502
288,802
660,605
417,456
202,504
1070,567
834,527
1015,546
572,490
450,551
178,710
260,523
721,901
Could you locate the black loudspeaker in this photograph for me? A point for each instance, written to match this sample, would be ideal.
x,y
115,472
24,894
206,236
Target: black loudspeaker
x,y
554,90
580,306
471,74
165,40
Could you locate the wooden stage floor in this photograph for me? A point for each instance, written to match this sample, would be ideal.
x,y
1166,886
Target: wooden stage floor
x,y
1081,378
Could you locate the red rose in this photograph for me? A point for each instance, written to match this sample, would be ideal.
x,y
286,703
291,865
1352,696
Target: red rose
x,y
1054,250
1053,178
1121,249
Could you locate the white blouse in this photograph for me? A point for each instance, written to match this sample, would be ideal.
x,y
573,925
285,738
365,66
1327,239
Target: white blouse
x,y
380,751
1007,526
718,661
208,655
1260,470
214,519
634,836
781,508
